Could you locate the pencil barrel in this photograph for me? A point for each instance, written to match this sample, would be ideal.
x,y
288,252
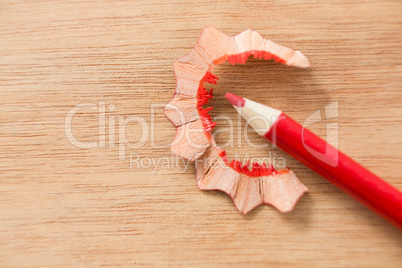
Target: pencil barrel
x,y
337,168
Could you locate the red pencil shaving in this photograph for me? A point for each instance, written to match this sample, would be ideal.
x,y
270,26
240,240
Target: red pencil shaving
x,y
327,161
248,184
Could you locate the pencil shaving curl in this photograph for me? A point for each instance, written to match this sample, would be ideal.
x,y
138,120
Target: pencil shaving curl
x,y
194,141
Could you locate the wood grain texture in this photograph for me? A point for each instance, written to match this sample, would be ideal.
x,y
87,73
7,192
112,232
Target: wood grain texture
x,y
65,206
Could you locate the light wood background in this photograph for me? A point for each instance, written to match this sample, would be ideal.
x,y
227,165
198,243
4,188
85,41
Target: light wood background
x,y
63,205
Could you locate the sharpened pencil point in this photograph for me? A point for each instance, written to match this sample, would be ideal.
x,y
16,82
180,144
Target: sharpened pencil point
x,y
235,100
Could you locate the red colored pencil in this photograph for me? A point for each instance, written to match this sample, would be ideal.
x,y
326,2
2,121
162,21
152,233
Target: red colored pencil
x,y
330,163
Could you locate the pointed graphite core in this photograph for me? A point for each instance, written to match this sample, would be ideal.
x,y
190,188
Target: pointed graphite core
x,y
235,100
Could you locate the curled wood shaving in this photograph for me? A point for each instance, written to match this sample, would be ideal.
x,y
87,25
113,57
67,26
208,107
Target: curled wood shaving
x,y
193,141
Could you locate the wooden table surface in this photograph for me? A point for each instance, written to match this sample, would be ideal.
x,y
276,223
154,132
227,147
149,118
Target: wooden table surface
x,y
104,64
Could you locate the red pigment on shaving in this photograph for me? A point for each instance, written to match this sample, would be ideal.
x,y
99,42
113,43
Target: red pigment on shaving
x,y
203,97
257,170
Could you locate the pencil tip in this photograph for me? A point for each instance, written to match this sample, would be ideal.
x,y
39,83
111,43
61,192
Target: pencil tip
x,y
235,100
